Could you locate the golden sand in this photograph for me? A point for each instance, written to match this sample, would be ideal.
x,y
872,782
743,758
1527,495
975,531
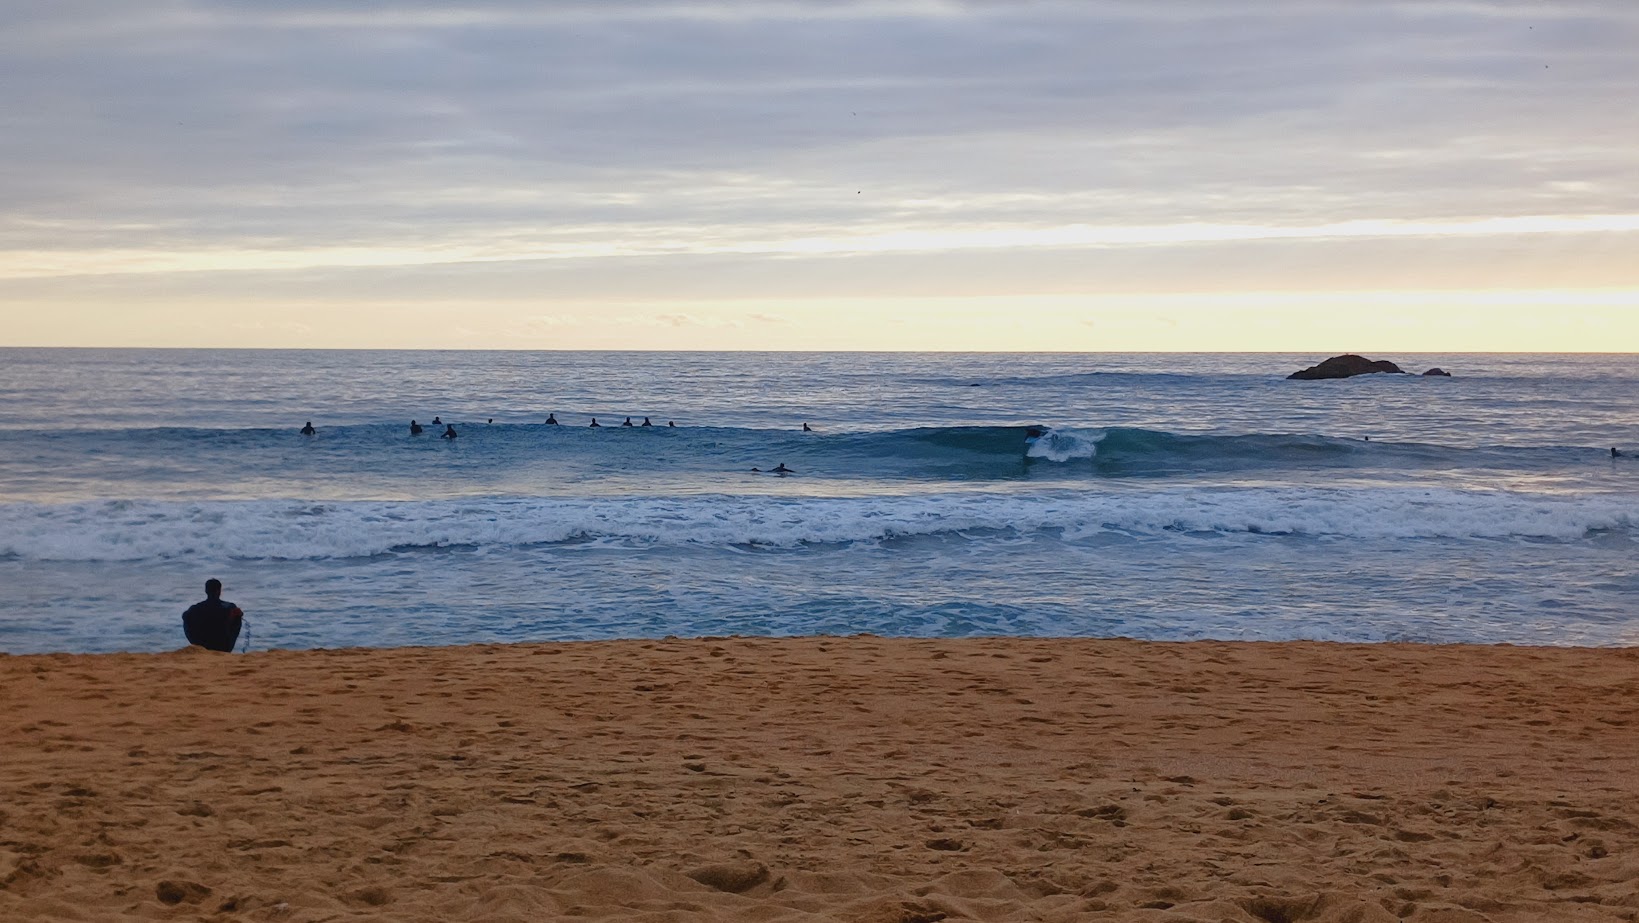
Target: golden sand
x,y
824,779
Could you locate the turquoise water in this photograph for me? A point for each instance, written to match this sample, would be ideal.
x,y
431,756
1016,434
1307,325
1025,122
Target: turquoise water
x,y
1168,496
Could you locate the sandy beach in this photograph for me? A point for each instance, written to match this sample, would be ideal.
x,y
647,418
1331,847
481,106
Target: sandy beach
x,y
824,779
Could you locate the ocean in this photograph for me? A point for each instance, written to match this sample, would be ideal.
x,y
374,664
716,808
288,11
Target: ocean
x,y
1168,497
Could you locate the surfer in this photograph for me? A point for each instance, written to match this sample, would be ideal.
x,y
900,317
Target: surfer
x,y
782,469
437,422
308,430
551,419
806,428
214,623
415,428
671,424
628,422
646,422
449,431
595,422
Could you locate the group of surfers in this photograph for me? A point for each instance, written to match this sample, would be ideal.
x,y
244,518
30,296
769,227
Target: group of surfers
x,y
417,429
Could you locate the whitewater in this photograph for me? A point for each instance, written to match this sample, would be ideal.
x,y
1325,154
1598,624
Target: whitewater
x,y
1151,496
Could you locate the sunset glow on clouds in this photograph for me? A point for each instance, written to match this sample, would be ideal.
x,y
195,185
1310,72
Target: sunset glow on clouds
x,y
1243,174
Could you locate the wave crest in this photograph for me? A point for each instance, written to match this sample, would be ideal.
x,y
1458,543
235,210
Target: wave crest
x,y
275,530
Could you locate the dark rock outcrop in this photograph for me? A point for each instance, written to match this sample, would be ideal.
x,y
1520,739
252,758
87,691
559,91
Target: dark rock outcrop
x,y
1345,367
1437,373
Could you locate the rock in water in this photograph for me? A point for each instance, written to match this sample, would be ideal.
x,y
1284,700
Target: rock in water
x,y
1345,367
1437,373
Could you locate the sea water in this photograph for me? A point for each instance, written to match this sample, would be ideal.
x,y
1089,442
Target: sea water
x,y
1167,497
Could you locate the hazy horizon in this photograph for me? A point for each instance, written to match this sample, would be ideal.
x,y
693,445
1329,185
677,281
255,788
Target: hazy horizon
x,y
877,175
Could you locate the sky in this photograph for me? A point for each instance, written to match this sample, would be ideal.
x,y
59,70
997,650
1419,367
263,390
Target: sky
x,y
1088,175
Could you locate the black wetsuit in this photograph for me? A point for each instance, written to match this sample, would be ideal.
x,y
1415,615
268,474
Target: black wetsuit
x,y
213,624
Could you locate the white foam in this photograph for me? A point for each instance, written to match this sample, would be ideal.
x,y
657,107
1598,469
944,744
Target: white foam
x,y
273,529
1065,445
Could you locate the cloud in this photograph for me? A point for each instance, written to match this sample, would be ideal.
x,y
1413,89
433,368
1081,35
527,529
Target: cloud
x,y
180,136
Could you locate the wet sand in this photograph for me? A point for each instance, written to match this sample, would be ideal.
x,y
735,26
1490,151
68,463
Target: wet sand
x,y
824,779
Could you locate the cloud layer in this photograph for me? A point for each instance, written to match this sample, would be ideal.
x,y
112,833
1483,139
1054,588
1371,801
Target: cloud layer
x,y
196,139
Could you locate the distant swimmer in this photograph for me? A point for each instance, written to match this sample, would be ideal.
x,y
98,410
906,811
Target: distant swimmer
x,y
415,428
551,419
308,430
782,469
449,431
437,422
806,428
594,421
671,424
628,422
646,422
490,420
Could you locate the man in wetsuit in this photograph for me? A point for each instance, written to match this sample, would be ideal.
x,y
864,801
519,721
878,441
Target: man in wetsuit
x,y
308,430
213,624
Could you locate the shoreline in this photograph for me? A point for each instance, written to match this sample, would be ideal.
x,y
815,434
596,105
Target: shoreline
x,y
847,778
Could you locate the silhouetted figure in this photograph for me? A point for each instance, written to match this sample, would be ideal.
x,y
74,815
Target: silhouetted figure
x,y
594,421
782,469
551,419
213,624
308,430
437,422
671,424
628,422
415,428
449,431
646,422
806,428
490,420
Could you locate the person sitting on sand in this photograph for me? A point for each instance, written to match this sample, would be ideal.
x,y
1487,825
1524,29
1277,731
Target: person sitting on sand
x,y
214,623
551,419
449,431
415,428
308,430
